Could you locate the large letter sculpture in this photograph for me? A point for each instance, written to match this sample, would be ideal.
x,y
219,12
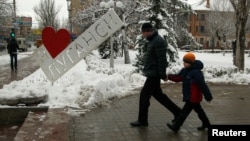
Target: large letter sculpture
x,y
57,56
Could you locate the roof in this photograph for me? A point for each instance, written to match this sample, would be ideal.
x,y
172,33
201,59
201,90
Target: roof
x,y
215,5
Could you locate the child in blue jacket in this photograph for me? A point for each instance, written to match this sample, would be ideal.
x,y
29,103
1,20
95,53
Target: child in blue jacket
x,y
193,86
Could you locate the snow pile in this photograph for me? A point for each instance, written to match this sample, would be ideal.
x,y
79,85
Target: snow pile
x,y
92,82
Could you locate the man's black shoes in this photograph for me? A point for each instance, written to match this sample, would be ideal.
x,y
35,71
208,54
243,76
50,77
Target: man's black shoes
x,y
172,127
203,127
138,123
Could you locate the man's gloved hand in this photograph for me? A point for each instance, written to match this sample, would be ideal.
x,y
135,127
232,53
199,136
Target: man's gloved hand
x,y
165,79
209,99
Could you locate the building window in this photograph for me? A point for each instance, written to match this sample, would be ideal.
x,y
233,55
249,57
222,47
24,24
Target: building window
x,y
201,40
202,17
202,30
197,29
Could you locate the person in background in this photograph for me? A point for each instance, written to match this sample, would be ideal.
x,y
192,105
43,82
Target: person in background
x,y
155,64
193,86
12,48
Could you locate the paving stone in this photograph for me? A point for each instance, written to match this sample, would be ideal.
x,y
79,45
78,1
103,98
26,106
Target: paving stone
x,y
111,123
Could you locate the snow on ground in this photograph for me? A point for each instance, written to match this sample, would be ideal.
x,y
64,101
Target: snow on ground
x,y
92,82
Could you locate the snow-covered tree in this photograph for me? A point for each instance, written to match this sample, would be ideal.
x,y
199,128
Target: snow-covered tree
x,y
141,48
87,17
6,12
181,12
161,15
105,48
84,19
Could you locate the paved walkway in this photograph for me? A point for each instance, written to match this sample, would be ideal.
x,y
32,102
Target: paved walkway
x,y
25,66
111,122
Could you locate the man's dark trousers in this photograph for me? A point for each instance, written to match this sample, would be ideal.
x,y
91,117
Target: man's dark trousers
x,y
13,61
152,88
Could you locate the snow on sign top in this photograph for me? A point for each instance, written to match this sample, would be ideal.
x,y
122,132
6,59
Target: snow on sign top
x,y
56,65
218,5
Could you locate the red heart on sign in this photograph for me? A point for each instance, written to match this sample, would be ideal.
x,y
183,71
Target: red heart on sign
x,y
55,42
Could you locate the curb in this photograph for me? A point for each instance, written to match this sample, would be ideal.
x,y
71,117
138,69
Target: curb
x,y
40,126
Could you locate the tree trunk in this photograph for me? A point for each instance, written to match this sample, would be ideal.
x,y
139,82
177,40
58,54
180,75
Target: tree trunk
x,y
241,8
240,46
212,44
125,47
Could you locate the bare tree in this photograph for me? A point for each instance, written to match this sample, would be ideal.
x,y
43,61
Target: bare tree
x,y
47,13
6,11
241,8
221,30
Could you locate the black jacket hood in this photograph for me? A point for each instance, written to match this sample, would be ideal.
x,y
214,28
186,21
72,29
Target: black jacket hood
x,y
197,65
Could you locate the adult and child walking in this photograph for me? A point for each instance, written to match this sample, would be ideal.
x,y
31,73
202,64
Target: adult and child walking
x,y
191,76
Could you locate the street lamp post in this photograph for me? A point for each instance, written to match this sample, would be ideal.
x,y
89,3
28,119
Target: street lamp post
x,y
14,21
14,5
111,4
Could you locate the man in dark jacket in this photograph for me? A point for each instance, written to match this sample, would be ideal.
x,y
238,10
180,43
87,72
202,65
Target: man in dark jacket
x,y
155,64
12,50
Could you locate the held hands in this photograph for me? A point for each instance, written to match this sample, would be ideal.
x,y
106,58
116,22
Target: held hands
x,y
165,79
209,99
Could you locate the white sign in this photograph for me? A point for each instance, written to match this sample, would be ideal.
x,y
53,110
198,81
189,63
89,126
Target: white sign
x,y
96,34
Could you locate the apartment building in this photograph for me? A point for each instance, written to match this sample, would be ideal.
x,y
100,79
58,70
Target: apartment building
x,y
198,24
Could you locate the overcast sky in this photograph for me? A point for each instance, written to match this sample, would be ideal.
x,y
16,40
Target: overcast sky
x,y
25,8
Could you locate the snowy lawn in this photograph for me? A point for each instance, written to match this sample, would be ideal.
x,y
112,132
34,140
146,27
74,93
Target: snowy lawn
x,y
91,82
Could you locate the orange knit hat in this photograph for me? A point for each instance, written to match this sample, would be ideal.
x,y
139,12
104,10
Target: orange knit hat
x,y
189,58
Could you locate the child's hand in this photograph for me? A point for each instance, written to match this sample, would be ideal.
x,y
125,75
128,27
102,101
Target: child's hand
x,y
165,79
209,101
